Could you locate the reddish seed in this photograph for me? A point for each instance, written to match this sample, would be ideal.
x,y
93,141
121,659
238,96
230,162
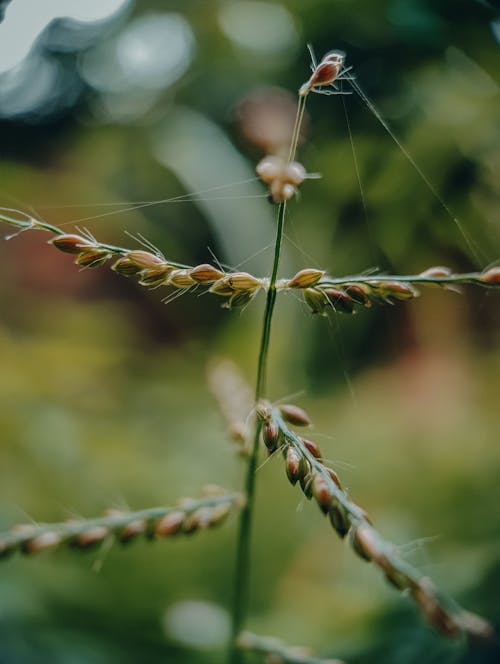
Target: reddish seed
x,y
71,244
339,520
91,537
170,524
295,415
270,435
334,477
206,273
145,259
132,530
312,447
322,493
324,74
491,276
293,466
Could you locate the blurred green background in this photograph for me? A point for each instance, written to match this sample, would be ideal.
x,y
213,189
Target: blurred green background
x,y
103,393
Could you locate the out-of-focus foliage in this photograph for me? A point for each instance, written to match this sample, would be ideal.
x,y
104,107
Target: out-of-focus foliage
x,y
103,398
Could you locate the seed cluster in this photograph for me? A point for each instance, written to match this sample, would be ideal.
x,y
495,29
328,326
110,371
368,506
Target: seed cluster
x,y
304,466
282,177
187,516
153,270
323,294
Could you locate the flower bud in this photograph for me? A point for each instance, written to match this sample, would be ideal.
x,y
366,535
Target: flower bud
x,y
325,73
437,272
270,435
294,173
305,278
219,514
125,267
316,300
293,465
240,299
358,293
339,519
145,259
312,447
70,243
425,596
322,493
399,290
264,410
243,281
269,168
91,537
491,276
295,415
170,524
155,277
339,300
200,519
40,543
206,273
281,191
334,476
132,530
222,287
362,542
180,279
305,479
93,257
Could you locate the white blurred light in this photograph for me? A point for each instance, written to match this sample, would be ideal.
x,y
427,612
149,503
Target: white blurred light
x,y
198,624
151,53
261,27
25,20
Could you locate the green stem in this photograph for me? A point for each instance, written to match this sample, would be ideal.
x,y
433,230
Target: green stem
x,y
240,605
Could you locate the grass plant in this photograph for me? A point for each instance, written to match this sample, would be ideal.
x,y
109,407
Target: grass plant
x,y
273,425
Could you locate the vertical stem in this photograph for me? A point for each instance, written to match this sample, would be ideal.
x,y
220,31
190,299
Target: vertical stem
x,y
241,583
242,575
